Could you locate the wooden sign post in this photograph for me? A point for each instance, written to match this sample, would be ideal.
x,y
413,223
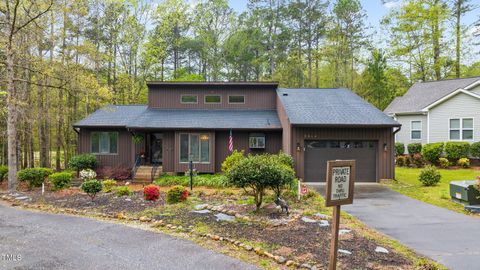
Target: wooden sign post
x,y
340,184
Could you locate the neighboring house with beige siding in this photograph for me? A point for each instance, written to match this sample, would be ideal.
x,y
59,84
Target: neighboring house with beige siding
x,y
438,111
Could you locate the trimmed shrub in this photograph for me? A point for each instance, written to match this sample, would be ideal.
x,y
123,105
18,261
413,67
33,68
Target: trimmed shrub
x,y
443,162
91,187
256,173
232,160
34,176
82,162
463,162
151,193
432,152
3,173
429,176
414,148
475,149
400,161
88,174
177,194
60,180
123,191
108,185
456,150
417,160
117,173
399,149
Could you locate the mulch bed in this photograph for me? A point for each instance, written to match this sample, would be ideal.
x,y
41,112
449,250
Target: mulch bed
x,y
299,240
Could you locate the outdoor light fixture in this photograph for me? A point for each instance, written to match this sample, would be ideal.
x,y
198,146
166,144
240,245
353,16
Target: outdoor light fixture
x,y
385,148
298,147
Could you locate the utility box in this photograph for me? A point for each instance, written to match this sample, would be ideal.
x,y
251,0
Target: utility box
x,y
465,192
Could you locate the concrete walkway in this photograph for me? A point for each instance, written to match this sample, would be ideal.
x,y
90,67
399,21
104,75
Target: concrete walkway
x,y
47,241
445,236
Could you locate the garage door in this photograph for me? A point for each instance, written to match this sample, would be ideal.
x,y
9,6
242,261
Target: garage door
x,y
317,153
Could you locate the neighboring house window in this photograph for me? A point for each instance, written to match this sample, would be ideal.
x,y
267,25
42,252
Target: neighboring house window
x,y
195,147
416,130
188,99
104,142
256,141
461,129
214,99
236,99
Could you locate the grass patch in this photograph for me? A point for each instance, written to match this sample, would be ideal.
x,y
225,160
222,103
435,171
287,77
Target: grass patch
x,y
439,195
205,180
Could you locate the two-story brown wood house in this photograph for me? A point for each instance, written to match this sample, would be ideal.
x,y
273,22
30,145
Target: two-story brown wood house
x,y
186,121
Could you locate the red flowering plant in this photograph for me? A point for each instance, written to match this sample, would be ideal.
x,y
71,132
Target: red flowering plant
x,y
151,193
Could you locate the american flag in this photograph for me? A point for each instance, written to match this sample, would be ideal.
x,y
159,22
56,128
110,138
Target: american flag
x,y
230,142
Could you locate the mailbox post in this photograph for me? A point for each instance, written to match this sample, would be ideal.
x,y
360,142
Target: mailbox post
x,y
340,184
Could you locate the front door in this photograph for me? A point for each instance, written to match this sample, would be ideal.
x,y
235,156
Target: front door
x,y
156,148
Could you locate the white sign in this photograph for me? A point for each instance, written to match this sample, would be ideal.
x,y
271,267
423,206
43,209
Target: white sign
x,y
340,183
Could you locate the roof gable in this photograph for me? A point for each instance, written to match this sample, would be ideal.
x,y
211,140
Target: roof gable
x,y
422,94
449,96
330,107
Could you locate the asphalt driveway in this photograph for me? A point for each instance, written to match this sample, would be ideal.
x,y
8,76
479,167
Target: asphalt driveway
x,y
445,236
48,241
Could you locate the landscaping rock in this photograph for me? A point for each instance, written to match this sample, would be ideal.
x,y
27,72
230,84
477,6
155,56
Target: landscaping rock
x,y
343,231
224,217
280,259
204,211
381,250
128,199
289,263
21,198
248,248
145,219
343,251
306,266
322,216
259,251
324,223
200,206
308,220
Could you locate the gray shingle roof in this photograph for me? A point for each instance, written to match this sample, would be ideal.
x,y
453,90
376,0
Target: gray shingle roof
x,y
331,107
112,116
210,119
422,94
142,117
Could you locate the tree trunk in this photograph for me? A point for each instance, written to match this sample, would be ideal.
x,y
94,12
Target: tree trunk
x,y
11,119
458,14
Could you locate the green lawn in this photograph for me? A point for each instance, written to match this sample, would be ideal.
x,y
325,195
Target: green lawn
x,y
438,195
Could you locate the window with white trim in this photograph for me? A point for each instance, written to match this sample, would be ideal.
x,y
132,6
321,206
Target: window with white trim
x,y
188,99
195,147
236,99
461,129
416,130
256,141
104,142
213,99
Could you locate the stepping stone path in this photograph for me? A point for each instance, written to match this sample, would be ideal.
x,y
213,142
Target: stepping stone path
x,y
204,211
381,250
322,216
343,251
224,217
343,231
22,198
324,223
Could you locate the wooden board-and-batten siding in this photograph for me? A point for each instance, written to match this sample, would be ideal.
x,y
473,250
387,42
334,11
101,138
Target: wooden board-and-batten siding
x,y
168,97
385,159
125,150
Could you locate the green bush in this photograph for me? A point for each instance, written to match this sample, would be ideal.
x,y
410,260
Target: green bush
x,y
256,173
204,180
456,150
429,176
232,160
399,149
123,191
108,185
401,161
464,162
177,194
432,152
417,160
443,162
475,149
34,176
82,162
414,148
91,187
60,180
3,173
